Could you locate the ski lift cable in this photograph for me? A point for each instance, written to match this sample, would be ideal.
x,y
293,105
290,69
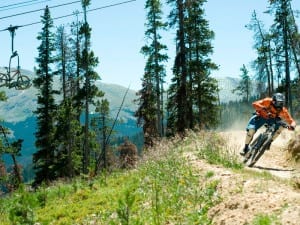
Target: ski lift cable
x,y
29,4
37,10
60,17
20,4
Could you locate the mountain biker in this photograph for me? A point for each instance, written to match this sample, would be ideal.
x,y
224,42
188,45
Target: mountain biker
x,y
268,110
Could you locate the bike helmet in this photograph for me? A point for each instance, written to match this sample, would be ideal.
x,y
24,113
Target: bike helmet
x,y
278,100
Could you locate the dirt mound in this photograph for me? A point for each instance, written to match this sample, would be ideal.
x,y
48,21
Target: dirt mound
x,y
248,198
283,156
245,201
294,148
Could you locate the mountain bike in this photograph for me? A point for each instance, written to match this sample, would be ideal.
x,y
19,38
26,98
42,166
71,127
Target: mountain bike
x,y
259,145
14,78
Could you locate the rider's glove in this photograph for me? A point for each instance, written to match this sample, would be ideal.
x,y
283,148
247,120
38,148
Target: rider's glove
x,y
270,115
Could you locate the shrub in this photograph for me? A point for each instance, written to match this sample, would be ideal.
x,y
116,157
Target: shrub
x,y
128,155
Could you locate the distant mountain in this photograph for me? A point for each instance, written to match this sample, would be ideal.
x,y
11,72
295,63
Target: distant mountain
x,y
17,112
21,103
226,85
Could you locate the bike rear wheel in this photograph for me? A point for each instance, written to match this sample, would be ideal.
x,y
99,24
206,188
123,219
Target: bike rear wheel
x,y
3,79
23,82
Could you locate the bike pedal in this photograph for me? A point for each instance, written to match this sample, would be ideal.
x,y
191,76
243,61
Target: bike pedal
x,y
247,155
242,153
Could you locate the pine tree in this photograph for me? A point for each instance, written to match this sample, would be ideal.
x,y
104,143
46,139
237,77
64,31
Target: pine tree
x,y
62,57
264,60
101,124
244,88
178,107
68,128
11,180
2,145
281,33
202,89
193,94
76,74
146,113
150,111
67,141
44,158
88,62
207,104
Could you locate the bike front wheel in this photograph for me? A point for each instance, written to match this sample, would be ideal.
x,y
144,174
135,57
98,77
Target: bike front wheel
x,y
255,157
256,150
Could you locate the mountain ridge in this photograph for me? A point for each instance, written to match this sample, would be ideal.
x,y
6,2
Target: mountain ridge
x,y
21,103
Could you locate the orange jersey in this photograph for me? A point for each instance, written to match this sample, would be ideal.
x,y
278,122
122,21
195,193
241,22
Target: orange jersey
x,y
265,109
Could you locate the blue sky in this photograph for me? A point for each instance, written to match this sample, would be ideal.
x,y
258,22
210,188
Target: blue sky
x,y
118,35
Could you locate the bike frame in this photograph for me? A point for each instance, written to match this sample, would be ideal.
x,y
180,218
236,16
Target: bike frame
x,y
15,54
21,82
259,144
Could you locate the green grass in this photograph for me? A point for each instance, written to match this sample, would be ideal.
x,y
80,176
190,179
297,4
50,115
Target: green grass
x,y
162,190
213,149
263,219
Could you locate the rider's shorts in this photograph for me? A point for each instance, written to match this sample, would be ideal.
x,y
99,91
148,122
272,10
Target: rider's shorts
x,y
256,122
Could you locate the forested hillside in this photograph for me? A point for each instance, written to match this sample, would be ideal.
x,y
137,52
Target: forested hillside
x,y
17,111
18,115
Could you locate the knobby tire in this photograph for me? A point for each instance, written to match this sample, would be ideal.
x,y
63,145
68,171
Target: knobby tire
x,y
257,150
259,153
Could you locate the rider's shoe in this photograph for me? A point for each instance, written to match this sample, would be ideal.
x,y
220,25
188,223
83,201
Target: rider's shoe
x,y
244,151
268,146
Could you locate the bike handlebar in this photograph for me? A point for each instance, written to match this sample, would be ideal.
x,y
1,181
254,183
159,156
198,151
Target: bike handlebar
x,y
282,123
285,125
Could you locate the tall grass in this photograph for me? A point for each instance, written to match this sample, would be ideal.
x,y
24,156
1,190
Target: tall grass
x,y
163,189
214,150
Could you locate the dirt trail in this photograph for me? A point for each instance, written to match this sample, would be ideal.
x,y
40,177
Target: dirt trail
x,y
246,197
274,160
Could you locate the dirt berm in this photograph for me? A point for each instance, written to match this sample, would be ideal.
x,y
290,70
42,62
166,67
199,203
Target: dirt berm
x,y
269,191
